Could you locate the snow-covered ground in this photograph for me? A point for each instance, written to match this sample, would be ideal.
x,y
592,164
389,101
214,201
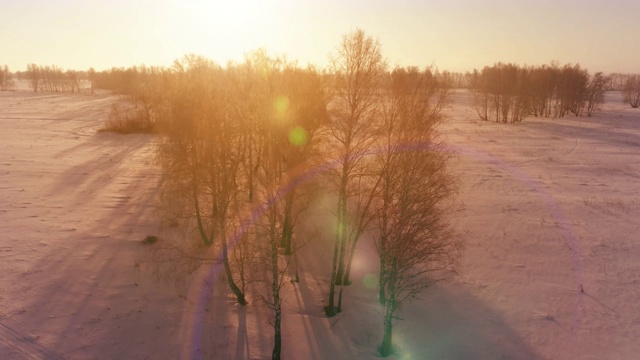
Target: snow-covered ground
x,y
551,268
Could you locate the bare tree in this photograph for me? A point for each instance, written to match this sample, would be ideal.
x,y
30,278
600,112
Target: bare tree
x,y
72,80
270,176
500,91
414,241
357,70
480,91
6,81
571,90
541,88
301,112
91,74
631,91
618,80
280,107
200,154
33,75
595,92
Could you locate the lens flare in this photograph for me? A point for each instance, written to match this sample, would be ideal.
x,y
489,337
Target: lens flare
x,y
370,281
298,136
281,107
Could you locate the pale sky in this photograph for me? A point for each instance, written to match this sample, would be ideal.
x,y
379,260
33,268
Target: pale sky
x,y
456,35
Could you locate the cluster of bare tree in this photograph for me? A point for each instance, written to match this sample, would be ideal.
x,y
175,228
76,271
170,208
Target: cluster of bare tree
x,y
458,80
631,90
6,79
617,82
238,140
629,84
143,91
509,93
391,179
235,141
237,146
52,79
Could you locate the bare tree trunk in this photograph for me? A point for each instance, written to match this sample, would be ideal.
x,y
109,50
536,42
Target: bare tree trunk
x,y
277,339
277,306
346,281
251,170
382,283
342,228
287,225
295,260
339,308
329,309
227,269
196,204
361,225
387,346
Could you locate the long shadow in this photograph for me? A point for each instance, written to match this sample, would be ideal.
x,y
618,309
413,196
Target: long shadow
x,y
79,293
322,339
451,323
76,287
624,133
242,341
110,152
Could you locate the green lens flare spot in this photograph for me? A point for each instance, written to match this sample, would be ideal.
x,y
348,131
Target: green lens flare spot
x,y
370,281
298,136
281,105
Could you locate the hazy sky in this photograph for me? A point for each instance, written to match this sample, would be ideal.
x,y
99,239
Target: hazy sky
x,y
455,35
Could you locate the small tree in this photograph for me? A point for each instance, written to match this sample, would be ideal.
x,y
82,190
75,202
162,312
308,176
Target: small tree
x,y
631,91
72,80
33,75
480,90
91,75
357,69
286,109
201,154
414,241
6,82
500,91
595,92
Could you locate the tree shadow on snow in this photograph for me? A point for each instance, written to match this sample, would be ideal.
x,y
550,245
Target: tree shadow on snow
x,y
451,323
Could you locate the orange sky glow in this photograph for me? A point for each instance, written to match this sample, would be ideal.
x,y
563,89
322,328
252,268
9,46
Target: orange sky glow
x,y
456,35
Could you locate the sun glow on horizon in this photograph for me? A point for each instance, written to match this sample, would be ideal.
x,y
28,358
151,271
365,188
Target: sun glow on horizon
x,y
227,30
455,35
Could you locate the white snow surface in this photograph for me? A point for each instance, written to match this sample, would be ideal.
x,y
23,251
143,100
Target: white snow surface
x,y
551,268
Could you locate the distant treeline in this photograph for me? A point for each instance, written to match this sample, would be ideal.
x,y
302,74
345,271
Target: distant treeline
x,y
502,92
6,82
509,93
52,78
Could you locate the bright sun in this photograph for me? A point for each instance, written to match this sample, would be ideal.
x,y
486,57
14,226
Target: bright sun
x,y
226,29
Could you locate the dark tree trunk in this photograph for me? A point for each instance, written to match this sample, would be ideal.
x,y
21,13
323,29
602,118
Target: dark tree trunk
x,y
275,290
386,348
330,309
342,236
227,269
345,280
277,339
196,204
287,226
295,259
